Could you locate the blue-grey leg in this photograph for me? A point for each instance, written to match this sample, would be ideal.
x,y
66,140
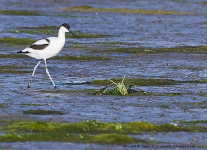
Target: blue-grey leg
x,y
33,74
49,74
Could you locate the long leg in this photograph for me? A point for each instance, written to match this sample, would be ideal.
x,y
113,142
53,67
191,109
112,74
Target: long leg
x,y
49,74
33,74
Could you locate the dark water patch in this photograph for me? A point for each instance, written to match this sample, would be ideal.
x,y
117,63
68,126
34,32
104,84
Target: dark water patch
x,y
20,13
42,112
86,8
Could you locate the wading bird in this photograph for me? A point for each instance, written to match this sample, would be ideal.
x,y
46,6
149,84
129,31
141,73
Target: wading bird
x,y
47,48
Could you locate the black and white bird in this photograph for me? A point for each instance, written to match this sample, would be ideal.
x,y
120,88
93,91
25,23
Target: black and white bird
x,y
47,48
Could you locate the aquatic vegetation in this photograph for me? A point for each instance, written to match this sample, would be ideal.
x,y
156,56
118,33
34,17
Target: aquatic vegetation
x,y
42,112
2,105
185,67
79,57
16,41
39,28
18,12
67,137
189,122
29,104
14,71
182,49
70,16
91,131
135,81
33,31
13,55
121,87
86,8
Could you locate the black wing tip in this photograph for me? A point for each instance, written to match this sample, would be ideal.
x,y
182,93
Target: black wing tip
x,y
22,52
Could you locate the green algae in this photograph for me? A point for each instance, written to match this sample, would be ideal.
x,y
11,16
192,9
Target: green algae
x,y
86,8
16,41
12,69
42,112
91,126
67,137
94,126
79,57
39,28
13,55
190,122
2,105
185,67
70,16
28,104
21,13
182,49
87,131
33,31
134,81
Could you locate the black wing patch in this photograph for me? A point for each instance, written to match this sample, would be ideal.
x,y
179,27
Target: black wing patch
x,y
40,47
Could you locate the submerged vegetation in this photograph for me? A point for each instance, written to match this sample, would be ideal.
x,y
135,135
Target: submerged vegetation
x,y
20,12
12,69
16,41
182,49
87,131
79,57
86,8
42,112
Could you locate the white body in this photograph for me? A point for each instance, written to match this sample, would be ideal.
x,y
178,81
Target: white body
x,y
55,46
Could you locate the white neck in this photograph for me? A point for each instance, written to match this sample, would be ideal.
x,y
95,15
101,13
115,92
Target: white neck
x,y
61,33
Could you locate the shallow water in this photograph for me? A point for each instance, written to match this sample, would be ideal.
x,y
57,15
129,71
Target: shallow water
x,y
131,29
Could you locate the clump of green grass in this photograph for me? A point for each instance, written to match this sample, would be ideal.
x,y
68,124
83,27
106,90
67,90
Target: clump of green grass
x,y
121,87
21,13
79,57
42,112
16,41
86,8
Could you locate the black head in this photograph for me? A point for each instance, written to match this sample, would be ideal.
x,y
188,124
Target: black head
x,y
66,26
